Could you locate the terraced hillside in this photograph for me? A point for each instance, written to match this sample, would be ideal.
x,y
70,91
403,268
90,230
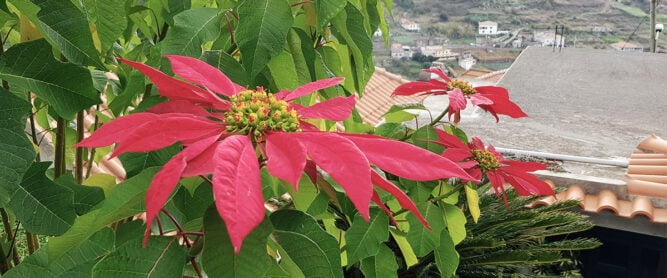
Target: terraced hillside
x,y
621,18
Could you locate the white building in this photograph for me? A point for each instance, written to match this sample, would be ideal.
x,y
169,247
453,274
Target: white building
x,y
466,61
409,25
548,39
487,28
399,51
438,51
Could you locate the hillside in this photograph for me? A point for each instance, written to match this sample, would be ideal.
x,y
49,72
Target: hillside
x,y
621,18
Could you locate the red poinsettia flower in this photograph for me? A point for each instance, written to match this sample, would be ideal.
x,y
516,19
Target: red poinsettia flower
x,y
492,99
223,137
482,161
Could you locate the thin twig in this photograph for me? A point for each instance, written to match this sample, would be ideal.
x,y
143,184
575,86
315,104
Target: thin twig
x,y
301,3
231,31
206,179
78,156
92,151
178,227
12,245
60,147
194,265
8,231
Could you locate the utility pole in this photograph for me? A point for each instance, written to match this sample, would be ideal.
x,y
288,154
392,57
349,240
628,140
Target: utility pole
x,y
652,25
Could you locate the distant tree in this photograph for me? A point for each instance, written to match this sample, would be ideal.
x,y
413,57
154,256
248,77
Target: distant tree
x,y
418,57
443,17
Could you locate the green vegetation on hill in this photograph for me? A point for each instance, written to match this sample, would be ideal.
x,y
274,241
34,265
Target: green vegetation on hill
x,y
579,17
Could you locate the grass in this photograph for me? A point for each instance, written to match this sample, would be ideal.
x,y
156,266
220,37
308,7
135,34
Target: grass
x,y
403,40
633,11
610,39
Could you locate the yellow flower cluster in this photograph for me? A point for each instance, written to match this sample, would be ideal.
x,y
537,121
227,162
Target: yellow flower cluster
x,y
256,111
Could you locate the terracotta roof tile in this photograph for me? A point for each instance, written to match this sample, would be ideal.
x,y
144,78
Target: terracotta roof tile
x,y
646,182
377,98
647,172
607,200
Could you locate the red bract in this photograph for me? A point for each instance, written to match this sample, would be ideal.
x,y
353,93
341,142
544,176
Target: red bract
x,y
486,161
224,139
492,99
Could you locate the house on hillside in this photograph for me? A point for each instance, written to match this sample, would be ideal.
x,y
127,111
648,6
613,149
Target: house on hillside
x,y
466,61
487,28
545,38
438,51
426,41
627,47
409,25
399,51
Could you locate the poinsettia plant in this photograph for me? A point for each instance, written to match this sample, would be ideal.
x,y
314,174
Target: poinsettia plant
x,y
241,154
252,128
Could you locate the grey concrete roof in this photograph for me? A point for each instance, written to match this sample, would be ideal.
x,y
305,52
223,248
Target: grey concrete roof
x,y
585,102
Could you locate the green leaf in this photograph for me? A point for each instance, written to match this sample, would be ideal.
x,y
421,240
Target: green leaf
x,y
16,151
391,130
192,29
365,238
134,87
104,181
162,257
124,200
109,18
42,206
64,25
228,65
283,71
189,209
315,251
456,222
426,133
405,106
218,258
31,67
406,250
399,117
348,27
309,199
423,240
326,10
446,257
174,7
473,201
299,45
262,32
134,163
85,197
77,262
382,265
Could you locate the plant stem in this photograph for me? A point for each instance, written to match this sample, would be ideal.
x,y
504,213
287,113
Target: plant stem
x,y
92,151
194,265
4,263
33,242
178,227
458,188
60,147
78,157
437,119
8,231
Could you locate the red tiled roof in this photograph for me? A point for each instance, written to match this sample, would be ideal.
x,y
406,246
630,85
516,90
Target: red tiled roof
x,y
647,172
646,182
377,98
608,200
